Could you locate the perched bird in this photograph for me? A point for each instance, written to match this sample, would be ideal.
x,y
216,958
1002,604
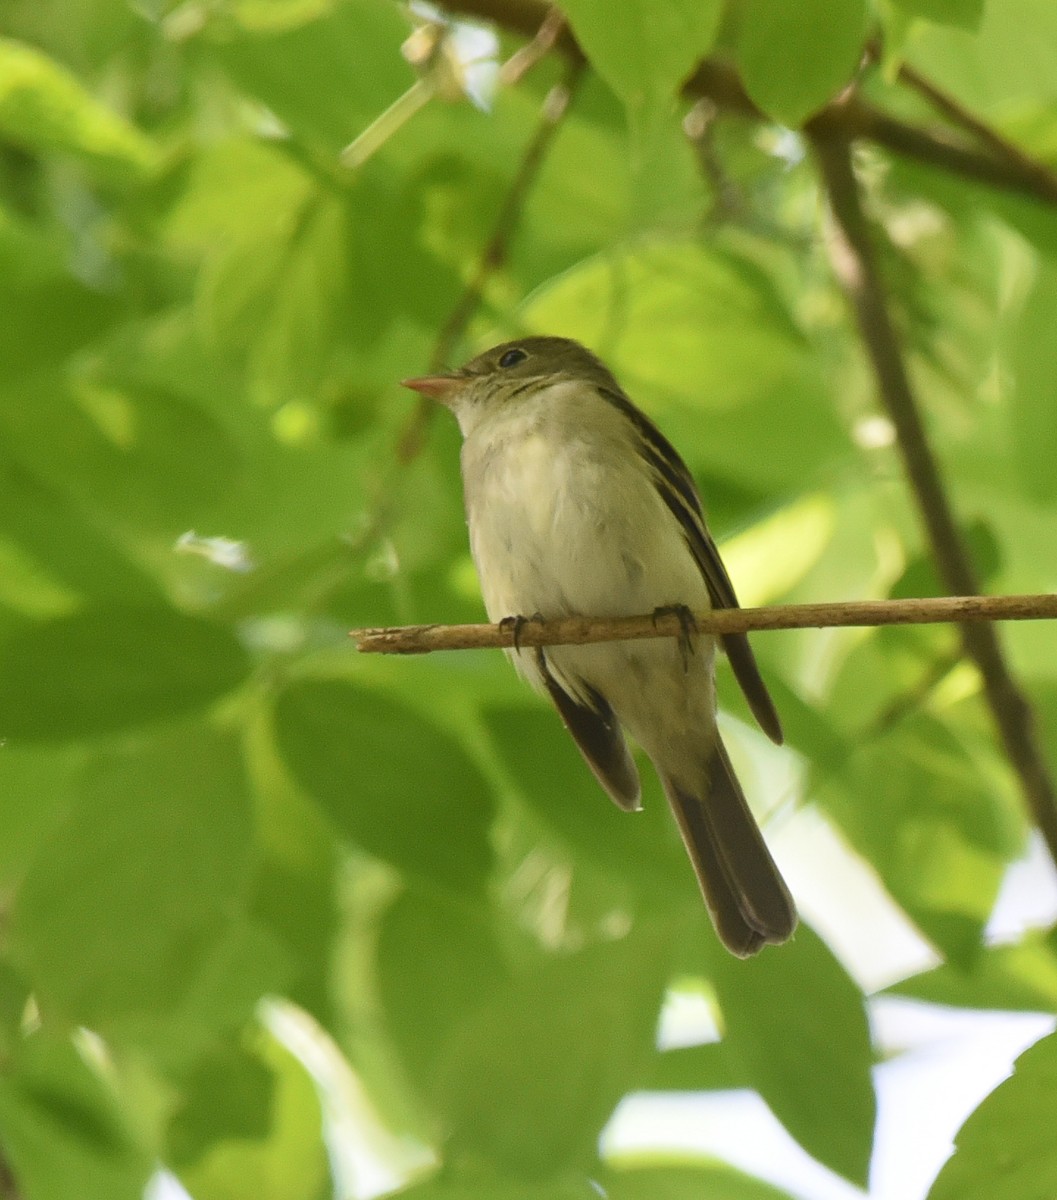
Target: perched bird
x,y
578,505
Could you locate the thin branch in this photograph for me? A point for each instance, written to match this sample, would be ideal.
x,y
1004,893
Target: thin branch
x,y
423,639
855,265
1001,147
555,105
719,82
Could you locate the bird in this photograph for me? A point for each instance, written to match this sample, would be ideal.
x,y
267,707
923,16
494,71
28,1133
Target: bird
x,y
577,505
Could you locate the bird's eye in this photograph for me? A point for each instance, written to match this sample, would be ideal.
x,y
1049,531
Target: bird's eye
x,y
511,358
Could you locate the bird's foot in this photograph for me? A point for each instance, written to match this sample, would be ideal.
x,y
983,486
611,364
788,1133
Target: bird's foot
x,y
516,626
687,627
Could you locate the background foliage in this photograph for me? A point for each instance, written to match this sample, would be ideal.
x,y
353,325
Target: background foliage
x,y
208,475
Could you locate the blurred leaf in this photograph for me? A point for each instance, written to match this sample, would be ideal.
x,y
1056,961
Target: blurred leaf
x,y
1010,59
109,668
796,1024
357,69
1032,413
398,786
532,1074
282,1159
488,1190
685,1182
63,1130
651,50
1021,977
795,56
560,789
965,14
1006,1147
44,107
703,1068
426,996
919,577
126,902
918,807
227,1098
67,549
43,324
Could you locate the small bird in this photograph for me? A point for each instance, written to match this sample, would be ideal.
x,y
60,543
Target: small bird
x,y
578,505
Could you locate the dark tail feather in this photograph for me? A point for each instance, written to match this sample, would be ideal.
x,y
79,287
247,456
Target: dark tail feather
x,y
745,893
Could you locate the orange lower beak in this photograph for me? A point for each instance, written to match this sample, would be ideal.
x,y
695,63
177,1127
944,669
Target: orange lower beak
x,y
439,387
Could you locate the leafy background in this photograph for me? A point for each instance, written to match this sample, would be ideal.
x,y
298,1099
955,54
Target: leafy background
x,y
265,899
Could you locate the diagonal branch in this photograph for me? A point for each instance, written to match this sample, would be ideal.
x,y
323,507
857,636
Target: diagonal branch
x,y
566,631
856,117
855,265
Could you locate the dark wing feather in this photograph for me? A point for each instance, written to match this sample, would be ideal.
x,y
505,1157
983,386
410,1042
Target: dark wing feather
x,y
596,731
677,489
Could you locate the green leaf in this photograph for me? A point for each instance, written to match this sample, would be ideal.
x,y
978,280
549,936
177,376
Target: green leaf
x,y
796,1024
63,1131
357,69
715,1181
43,107
919,807
1032,360
394,783
110,668
426,996
1016,978
70,555
128,898
1009,61
795,55
503,1186
963,14
651,49
560,789
46,321
1006,1148
227,1097
532,1074
282,1158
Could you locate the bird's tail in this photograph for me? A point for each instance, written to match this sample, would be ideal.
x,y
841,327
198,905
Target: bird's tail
x,y
745,893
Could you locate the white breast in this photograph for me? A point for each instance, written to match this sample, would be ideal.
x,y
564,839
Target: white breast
x,y
564,517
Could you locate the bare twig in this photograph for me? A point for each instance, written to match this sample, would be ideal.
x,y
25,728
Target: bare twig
x,y
526,57
855,265
1001,147
422,639
555,106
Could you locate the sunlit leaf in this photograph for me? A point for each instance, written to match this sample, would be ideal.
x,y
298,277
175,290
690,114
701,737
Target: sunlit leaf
x,y
796,1024
795,56
1005,1148
44,107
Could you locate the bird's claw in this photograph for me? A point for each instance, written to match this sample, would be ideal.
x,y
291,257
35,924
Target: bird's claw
x,y
687,628
516,626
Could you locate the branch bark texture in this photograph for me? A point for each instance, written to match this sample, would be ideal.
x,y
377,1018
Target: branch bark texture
x,y
423,639
855,265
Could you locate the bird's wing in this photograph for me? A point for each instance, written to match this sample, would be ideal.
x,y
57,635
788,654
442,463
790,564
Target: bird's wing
x,y
597,733
676,487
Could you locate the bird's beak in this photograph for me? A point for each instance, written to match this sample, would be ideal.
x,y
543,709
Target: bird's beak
x,y
438,387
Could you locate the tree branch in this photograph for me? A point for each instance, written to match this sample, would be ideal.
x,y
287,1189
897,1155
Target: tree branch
x,y
423,639
719,82
855,266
